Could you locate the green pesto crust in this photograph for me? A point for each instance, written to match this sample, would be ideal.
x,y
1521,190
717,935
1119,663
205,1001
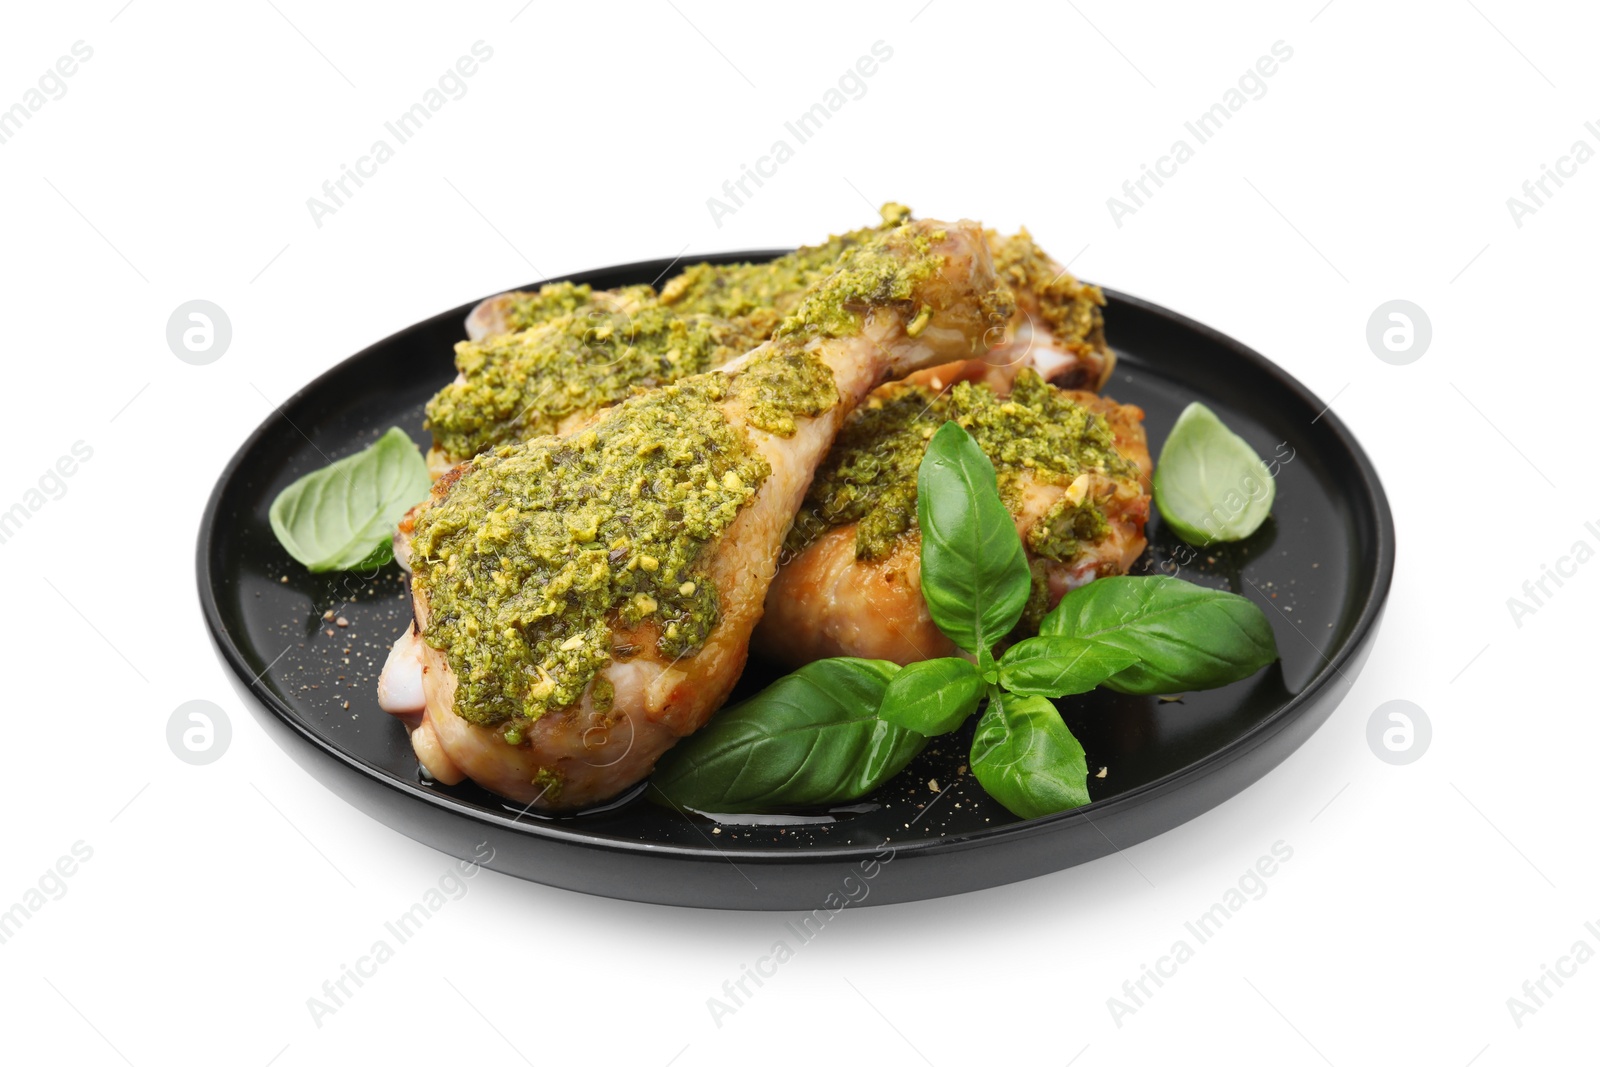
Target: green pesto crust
x,y
884,270
523,311
519,385
870,477
540,549
570,351
1070,308
783,382
768,291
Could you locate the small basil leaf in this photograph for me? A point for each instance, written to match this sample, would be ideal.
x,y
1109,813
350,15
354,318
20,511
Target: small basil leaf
x,y
933,697
1060,666
343,516
974,573
1209,484
1185,636
1025,757
812,737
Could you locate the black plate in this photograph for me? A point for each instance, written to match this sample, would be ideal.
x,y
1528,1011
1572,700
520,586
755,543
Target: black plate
x,y
1322,565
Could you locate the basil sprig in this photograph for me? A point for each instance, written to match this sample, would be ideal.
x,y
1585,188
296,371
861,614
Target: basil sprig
x,y
837,729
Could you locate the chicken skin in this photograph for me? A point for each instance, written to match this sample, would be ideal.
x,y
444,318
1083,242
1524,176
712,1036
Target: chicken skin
x,y
583,601
1074,471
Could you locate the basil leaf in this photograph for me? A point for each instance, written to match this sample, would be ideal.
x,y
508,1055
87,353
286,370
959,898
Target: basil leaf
x,y
343,516
974,574
1209,484
1185,636
933,697
812,737
1025,757
1060,666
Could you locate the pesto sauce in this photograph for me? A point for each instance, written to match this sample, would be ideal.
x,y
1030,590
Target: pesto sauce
x,y
781,382
550,783
769,291
572,351
870,477
1070,308
520,385
1059,530
786,379
526,310
887,269
539,549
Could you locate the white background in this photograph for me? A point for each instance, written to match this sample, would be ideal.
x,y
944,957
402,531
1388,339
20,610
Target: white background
x,y
1376,166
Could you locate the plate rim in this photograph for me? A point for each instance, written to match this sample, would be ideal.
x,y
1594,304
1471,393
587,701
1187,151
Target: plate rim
x,y
569,832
